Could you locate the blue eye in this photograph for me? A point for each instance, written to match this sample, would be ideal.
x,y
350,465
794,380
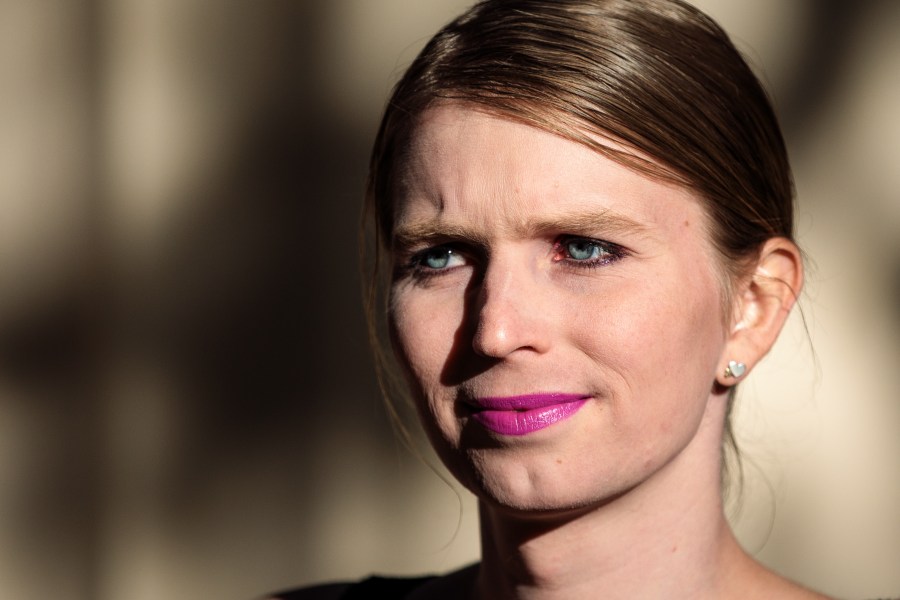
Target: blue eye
x,y
437,259
581,249
586,252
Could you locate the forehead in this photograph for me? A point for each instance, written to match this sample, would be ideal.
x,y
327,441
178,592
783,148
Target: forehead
x,y
463,164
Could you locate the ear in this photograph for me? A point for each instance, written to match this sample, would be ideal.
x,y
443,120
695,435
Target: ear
x,y
760,307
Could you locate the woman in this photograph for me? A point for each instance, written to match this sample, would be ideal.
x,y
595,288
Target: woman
x,y
586,209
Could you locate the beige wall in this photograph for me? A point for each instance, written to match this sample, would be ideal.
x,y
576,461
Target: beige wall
x,y
187,406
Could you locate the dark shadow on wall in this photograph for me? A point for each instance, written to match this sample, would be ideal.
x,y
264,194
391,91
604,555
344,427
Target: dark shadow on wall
x,y
834,28
255,309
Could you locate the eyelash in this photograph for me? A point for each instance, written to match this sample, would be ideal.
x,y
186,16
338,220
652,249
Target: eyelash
x,y
417,267
610,253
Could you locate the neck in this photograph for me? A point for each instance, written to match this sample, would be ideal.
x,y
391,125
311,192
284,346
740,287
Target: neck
x,y
666,538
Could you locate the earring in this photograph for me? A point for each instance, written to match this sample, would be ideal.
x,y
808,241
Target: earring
x,y
735,369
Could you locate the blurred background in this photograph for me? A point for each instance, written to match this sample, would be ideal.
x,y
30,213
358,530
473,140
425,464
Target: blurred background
x,y
187,403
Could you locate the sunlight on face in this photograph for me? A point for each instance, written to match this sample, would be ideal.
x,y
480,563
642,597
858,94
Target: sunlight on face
x,y
559,315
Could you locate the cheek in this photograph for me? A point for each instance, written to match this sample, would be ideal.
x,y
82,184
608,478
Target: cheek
x,y
658,347
657,332
422,332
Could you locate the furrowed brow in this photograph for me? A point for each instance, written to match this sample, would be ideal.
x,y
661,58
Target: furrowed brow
x,y
589,224
410,235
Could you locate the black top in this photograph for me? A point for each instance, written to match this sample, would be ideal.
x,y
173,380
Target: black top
x,y
392,588
374,588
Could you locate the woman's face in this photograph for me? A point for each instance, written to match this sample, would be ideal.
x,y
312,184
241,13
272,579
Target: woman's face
x,y
559,315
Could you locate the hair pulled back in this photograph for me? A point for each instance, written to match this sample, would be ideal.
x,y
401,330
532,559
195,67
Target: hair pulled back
x,y
657,77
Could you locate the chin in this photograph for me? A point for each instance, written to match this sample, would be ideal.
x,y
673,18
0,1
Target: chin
x,y
534,489
538,508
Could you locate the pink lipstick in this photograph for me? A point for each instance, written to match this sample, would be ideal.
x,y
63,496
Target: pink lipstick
x,y
521,415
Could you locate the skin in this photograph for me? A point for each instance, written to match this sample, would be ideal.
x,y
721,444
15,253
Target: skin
x,y
512,315
528,263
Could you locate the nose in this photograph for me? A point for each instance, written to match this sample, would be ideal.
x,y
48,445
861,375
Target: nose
x,y
509,315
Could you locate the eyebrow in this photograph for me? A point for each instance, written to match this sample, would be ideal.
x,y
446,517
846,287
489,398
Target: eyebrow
x,y
588,224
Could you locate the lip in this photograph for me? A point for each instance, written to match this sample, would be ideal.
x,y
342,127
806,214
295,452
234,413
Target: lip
x,y
521,415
